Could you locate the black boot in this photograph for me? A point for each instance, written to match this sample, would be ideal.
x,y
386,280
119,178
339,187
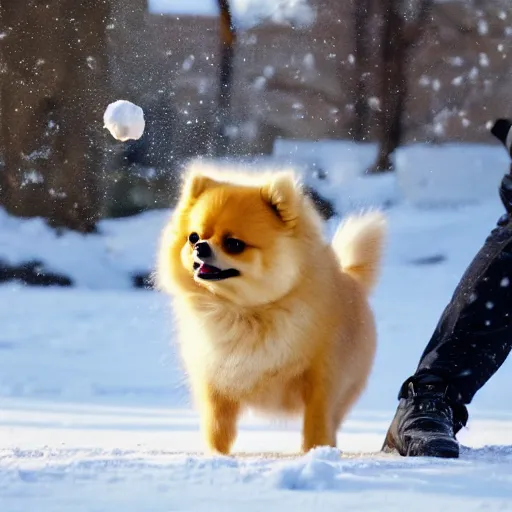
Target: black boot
x,y
428,417
470,343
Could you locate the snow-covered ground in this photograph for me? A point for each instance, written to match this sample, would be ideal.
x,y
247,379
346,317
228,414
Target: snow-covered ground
x,y
95,414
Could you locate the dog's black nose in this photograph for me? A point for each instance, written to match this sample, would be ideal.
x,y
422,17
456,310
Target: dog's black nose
x,y
203,250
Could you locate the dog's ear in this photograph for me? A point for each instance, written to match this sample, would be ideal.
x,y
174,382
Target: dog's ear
x,y
282,194
195,184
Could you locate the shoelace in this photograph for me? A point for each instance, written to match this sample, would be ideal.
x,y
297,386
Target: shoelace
x,y
433,404
432,387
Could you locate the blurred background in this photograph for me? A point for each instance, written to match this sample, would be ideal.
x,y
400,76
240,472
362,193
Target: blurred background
x,y
230,78
259,81
376,103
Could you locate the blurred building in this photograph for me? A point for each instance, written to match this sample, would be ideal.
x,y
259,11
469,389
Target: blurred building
x,y
295,76
297,81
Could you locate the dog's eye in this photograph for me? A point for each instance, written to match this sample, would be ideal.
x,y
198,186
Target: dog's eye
x,y
233,245
193,238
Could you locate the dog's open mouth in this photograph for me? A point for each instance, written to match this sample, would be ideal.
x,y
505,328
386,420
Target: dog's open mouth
x,y
211,273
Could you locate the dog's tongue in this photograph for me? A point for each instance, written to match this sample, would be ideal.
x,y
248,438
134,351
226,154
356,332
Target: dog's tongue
x,y
208,269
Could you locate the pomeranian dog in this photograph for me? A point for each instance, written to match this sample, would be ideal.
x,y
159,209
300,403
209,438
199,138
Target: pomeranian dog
x,y
270,315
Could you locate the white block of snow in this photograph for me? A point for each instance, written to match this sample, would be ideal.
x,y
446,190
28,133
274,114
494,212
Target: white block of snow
x,y
450,174
124,120
184,7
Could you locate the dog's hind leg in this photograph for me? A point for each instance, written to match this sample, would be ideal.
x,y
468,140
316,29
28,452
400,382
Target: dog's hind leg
x,y
317,427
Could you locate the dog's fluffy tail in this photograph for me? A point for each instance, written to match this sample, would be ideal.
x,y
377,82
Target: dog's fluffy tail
x,y
358,244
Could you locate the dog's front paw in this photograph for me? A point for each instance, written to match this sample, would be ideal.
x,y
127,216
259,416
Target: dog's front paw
x,y
219,443
219,422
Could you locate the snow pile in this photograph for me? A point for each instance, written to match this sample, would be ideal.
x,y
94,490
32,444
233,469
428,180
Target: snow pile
x,y
426,175
124,120
449,174
443,176
96,415
123,249
318,470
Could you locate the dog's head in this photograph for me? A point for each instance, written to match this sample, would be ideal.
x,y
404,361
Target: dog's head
x,y
238,240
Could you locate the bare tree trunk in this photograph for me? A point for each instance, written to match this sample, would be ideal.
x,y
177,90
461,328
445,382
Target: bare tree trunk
x,y
362,55
54,55
393,83
397,37
228,38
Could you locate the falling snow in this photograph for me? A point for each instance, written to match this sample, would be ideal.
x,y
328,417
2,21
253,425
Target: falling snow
x,y
483,60
483,27
269,71
91,62
424,81
32,177
473,74
259,83
39,154
374,103
309,61
188,63
456,61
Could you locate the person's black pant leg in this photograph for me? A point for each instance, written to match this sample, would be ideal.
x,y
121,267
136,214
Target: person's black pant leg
x,y
474,335
470,343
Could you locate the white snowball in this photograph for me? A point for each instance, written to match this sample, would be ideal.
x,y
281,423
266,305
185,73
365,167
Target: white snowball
x,y
124,120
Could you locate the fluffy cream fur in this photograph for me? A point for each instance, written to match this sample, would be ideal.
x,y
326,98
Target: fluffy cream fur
x,y
293,333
